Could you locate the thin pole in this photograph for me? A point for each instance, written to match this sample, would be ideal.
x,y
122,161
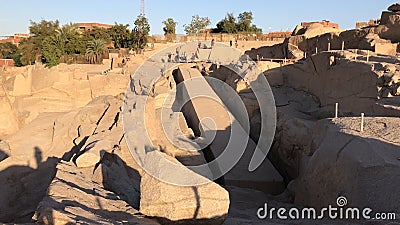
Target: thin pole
x,y
362,122
336,110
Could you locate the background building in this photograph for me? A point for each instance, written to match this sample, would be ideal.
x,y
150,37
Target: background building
x,y
16,39
90,26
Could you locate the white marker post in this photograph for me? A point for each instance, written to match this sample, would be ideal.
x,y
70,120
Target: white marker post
x,y
305,55
367,55
316,50
362,122
355,55
342,45
336,110
329,46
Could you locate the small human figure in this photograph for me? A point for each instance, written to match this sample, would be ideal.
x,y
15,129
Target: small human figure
x,y
177,59
199,45
169,57
236,43
212,43
230,43
184,56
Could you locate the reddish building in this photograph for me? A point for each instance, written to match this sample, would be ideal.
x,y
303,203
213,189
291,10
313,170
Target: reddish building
x,y
6,62
90,26
278,34
16,39
325,23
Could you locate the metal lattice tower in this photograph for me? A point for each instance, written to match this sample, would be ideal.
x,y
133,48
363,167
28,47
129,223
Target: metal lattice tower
x,y
142,8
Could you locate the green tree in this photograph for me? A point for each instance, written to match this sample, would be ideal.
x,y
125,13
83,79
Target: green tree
x,y
10,51
64,42
98,33
53,49
140,33
170,29
120,35
243,24
69,34
7,50
169,26
244,21
227,25
90,35
39,32
28,52
95,50
255,29
197,24
44,28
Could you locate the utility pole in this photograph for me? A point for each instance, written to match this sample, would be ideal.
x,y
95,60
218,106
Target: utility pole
x,y
142,8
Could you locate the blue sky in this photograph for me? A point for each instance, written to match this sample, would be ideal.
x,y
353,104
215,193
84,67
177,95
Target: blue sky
x,y
277,15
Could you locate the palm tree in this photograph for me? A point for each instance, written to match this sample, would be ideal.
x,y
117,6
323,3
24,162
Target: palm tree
x,y
94,51
59,42
68,31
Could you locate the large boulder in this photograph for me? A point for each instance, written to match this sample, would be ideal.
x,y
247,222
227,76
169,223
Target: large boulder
x,y
73,198
115,175
204,204
90,130
292,137
390,26
395,7
313,30
335,77
363,167
317,29
274,52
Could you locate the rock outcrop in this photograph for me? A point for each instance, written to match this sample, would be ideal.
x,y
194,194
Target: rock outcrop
x,y
59,89
172,204
74,198
382,39
362,167
335,77
395,7
31,162
313,30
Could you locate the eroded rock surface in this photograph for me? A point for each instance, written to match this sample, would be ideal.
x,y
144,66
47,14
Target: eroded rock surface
x,y
73,198
172,204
